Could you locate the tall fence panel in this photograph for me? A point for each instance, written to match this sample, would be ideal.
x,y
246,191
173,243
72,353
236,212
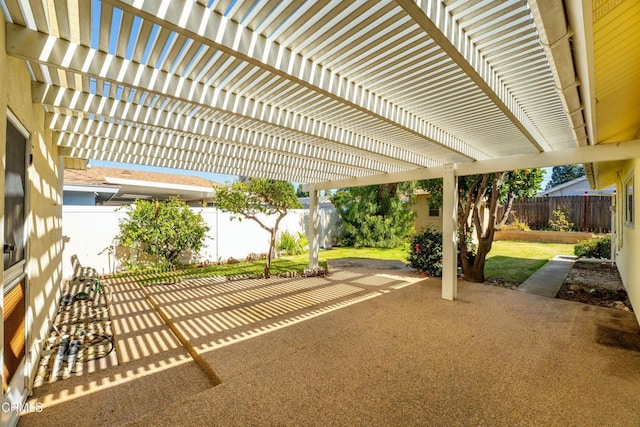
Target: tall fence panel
x,y
89,232
587,213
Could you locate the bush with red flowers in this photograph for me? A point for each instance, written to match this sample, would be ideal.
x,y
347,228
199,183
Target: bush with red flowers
x,y
426,253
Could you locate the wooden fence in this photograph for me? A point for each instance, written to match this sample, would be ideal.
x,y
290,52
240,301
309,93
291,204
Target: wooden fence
x,y
587,213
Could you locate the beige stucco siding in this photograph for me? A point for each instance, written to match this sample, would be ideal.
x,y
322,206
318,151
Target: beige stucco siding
x,y
44,191
423,220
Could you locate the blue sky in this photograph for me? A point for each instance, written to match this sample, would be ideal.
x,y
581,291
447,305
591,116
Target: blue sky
x,y
547,178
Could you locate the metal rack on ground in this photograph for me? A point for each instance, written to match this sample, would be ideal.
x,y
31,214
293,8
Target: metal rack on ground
x,y
81,331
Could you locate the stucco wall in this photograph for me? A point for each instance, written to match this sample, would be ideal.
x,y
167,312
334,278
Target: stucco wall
x,y
44,194
423,220
628,236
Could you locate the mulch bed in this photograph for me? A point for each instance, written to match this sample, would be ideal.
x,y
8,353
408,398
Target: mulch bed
x,y
595,283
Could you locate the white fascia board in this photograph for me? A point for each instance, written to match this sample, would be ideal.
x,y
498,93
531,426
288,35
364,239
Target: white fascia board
x,y
90,188
579,155
162,185
580,17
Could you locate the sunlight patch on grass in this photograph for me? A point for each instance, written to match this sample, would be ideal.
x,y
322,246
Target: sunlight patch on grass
x,y
508,261
282,265
399,254
514,262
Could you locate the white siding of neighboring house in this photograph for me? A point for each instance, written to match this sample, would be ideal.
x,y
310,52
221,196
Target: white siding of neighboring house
x,y
576,187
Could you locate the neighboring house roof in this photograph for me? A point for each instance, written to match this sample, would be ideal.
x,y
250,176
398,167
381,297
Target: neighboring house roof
x,y
576,187
126,185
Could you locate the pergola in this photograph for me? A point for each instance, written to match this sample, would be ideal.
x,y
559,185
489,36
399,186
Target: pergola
x,y
330,93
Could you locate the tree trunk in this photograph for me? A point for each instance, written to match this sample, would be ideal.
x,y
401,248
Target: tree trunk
x,y
473,264
475,271
475,268
272,245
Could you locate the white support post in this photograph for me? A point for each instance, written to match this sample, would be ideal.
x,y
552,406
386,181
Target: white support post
x,y
449,234
314,238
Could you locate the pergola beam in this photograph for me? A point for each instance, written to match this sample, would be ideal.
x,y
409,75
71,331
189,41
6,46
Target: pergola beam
x,y
204,121
609,152
228,165
435,20
187,148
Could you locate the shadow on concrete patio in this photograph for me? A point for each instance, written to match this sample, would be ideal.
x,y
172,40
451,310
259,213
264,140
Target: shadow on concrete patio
x,y
357,347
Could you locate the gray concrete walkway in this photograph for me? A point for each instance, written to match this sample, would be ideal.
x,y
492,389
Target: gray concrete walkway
x,y
547,281
360,348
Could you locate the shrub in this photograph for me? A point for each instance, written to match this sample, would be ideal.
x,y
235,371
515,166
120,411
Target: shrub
x,y
560,221
594,248
163,230
291,244
377,216
426,253
516,225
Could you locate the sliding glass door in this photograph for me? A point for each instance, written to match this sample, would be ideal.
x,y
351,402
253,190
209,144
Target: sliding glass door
x,y
14,261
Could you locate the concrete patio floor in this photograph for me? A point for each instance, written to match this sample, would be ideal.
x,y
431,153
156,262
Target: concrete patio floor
x,y
360,347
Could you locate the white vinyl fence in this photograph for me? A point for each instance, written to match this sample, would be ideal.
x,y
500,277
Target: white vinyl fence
x,y
89,233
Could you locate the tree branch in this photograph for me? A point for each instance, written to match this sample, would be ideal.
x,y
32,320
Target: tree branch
x,y
260,223
507,210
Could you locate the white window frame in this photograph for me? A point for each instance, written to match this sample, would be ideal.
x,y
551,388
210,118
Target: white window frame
x,y
429,209
18,389
629,201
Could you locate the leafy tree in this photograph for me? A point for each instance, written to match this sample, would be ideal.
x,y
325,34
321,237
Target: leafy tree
x,y
562,174
254,196
376,216
162,229
478,192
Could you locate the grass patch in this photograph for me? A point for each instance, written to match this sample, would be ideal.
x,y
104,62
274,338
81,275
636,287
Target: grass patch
x,y
399,254
514,262
508,261
285,264
253,268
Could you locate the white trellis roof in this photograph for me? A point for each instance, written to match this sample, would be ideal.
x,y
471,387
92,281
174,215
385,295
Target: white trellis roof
x,y
307,91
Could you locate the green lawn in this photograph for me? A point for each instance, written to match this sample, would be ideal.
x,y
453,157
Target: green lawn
x,y
508,261
281,265
400,254
514,262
